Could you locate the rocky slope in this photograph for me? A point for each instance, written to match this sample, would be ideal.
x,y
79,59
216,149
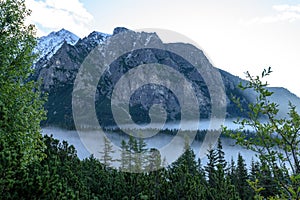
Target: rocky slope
x,y
62,57
48,45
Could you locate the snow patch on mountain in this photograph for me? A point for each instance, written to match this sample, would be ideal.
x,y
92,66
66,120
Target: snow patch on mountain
x,y
48,45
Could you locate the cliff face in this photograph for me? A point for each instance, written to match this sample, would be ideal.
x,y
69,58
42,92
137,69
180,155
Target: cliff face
x,y
128,70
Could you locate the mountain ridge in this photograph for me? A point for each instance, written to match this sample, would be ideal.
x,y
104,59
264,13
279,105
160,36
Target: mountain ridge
x,y
59,71
48,45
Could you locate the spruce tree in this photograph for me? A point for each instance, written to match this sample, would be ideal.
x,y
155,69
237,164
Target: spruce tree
x,y
221,166
276,140
210,168
221,155
185,181
125,156
107,158
242,185
267,181
254,170
140,153
154,160
232,171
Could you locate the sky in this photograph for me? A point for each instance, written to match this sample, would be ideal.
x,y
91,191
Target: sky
x,y
236,35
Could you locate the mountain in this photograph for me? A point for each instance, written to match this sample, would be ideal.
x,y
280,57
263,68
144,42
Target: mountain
x,y
63,55
283,97
48,45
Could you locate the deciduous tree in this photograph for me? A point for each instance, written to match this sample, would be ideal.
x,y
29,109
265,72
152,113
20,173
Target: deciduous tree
x,y
276,139
21,104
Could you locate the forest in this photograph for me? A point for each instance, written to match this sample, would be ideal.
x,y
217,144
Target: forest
x,y
33,166
62,175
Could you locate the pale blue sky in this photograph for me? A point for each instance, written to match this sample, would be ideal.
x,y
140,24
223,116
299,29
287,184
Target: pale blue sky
x,y
236,35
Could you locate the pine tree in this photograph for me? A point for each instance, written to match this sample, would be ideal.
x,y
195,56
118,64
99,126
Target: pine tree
x,y
125,156
107,159
221,155
210,168
276,139
232,171
254,170
266,180
154,160
201,172
242,185
140,153
221,166
220,185
184,177
132,147
133,155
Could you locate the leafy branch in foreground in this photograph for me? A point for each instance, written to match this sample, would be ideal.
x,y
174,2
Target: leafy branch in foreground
x,y
21,104
277,139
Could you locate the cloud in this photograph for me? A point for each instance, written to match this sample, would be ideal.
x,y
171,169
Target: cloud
x,y
52,15
287,8
284,13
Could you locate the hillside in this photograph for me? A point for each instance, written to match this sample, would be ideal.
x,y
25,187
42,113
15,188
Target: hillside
x,y
59,67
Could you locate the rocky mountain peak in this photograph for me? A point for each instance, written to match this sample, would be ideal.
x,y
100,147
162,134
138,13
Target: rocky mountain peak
x,y
119,30
63,33
48,45
64,54
96,37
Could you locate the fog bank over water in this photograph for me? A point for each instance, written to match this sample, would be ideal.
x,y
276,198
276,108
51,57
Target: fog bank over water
x,y
203,124
157,141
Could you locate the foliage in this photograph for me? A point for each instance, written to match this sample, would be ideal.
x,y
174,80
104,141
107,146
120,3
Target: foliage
x,y
32,167
107,158
61,175
135,157
276,140
21,103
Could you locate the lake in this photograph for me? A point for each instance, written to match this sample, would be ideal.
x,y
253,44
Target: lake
x,y
92,142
